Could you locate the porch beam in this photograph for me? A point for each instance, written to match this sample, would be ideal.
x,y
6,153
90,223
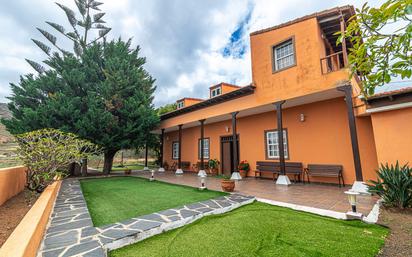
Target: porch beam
x,y
347,90
280,136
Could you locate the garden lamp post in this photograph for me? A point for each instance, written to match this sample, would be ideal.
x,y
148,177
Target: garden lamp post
x,y
152,175
352,195
202,179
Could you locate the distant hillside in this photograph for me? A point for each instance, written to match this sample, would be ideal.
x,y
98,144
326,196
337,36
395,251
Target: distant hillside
x,y
5,136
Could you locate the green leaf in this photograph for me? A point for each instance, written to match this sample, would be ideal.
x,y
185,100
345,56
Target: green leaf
x,y
103,32
98,16
81,6
408,9
94,5
77,49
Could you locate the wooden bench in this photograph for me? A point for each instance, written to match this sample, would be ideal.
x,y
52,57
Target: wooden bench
x,y
324,170
196,167
291,168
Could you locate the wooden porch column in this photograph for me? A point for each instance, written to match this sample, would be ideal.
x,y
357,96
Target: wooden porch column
x,y
145,157
280,136
344,51
162,136
202,146
179,170
347,90
235,174
283,179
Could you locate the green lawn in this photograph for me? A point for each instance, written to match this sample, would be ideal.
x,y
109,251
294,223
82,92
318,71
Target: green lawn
x,y
115,199
260,229
132,167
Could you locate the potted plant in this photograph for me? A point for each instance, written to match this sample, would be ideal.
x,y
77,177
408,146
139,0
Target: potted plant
x,y
213,166
127,171
244,168
227,184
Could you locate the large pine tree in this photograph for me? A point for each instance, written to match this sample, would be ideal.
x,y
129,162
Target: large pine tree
x,y
104,95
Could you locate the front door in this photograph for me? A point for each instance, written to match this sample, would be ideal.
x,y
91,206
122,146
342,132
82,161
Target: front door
x,y
226,143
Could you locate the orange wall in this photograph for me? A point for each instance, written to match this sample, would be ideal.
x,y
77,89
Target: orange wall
x,y
323,138
397,145
27,236
12,182
302,79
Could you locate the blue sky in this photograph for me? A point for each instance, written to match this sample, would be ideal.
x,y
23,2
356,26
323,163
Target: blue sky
x,y
189,45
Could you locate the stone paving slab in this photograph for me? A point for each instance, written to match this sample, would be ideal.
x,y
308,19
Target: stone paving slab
x,y
71,233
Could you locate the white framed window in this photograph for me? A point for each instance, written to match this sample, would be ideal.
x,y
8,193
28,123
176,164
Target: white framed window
x,y
175,150
180,104
215,92
272,145
284,55
206,148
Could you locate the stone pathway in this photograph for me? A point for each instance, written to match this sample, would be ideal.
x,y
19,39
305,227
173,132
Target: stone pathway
x,y
71,233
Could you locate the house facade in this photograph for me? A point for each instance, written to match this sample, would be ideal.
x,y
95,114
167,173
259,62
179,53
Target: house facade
x,y
301,86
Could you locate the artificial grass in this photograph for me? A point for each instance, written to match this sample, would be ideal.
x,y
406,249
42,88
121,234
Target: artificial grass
x,y
263,230
110,200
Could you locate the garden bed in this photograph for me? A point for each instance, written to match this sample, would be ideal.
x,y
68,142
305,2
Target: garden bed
x,y
399,241
110,200
260,229
13,211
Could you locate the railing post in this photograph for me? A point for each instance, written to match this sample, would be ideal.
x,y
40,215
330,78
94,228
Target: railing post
x,y
342,30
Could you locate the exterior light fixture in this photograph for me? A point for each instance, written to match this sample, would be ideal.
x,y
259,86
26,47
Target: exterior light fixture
x,y
227,129
353,201
152,175
202,182
302,117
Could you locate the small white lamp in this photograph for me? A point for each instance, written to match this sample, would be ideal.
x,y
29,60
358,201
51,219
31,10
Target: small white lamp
x,y
202,182
152,175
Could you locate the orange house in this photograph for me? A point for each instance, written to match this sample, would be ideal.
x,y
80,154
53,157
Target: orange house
x,y
302,87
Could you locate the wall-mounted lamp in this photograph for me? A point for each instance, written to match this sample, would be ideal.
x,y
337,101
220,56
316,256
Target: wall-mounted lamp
x,y
302,117
227,129
167,138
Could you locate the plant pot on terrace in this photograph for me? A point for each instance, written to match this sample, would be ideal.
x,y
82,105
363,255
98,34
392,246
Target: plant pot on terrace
x,y
244,168
227,184
127,171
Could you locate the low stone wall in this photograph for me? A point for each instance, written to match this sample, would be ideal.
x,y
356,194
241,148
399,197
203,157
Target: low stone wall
x,y
26,238
12,182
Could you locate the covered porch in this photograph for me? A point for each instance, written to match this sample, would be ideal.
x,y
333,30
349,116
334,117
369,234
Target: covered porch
x,y
321,196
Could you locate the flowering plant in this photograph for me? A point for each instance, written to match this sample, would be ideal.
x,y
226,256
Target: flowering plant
x,y
244,165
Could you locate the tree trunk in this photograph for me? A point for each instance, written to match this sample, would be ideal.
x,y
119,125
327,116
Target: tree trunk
x,y
84,167
108,161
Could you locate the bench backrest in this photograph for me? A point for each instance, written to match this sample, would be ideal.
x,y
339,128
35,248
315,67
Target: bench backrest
x,y
275,166
324,168
185,164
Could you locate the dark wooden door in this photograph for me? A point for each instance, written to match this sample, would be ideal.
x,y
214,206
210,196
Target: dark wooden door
x,y
226,144
226,158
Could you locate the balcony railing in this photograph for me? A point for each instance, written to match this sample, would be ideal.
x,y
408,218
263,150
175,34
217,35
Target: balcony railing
x,y
332,62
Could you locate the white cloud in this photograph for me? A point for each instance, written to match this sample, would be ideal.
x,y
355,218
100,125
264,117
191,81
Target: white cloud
x,y
182,40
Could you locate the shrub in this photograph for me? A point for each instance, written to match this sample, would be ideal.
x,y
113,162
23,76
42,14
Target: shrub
x,y
46,152
394,185
244,165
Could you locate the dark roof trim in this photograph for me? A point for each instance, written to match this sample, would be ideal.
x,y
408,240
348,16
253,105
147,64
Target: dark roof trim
x,y
247,90
346,8
390,98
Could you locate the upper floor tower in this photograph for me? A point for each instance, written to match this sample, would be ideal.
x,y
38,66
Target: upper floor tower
x,y
301,56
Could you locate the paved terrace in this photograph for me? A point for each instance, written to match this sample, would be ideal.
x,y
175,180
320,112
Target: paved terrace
x,y
328,197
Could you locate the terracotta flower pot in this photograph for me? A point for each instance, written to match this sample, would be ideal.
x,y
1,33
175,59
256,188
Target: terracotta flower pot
x,y
243,173
127,172
228,185
213,171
